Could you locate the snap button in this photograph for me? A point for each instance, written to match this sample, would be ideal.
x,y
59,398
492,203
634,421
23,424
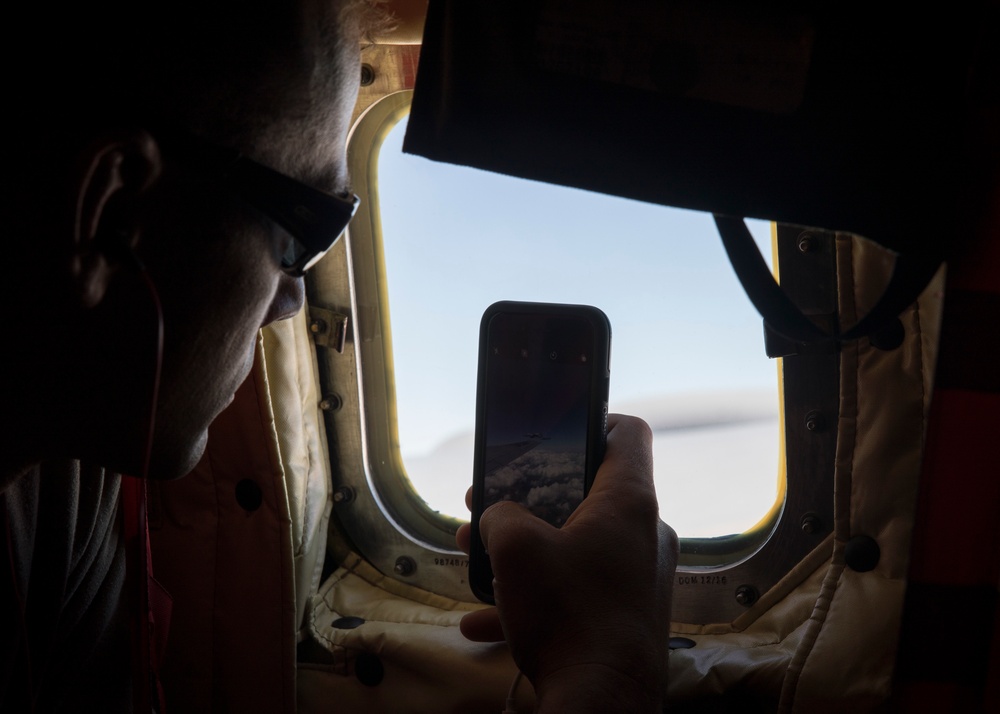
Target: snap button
x,y
368,669
249,495
889,337
348,623
862,553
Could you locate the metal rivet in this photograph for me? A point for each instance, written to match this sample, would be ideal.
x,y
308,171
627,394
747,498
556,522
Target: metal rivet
x,y
815,421
318,326
344,494
367,75
331,402
807,242
746,595
405,565
811,523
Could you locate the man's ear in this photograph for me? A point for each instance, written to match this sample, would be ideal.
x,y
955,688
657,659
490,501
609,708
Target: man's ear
x,y
115,171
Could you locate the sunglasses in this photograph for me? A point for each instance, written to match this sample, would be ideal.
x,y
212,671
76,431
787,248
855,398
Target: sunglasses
x,y
314,219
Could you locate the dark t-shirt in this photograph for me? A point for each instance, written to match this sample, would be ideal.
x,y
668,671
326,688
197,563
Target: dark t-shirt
x,y
62,571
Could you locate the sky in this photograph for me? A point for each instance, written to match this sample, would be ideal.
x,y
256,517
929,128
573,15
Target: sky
x,y
687,346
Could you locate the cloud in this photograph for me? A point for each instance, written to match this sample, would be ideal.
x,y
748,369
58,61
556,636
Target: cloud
x,y
549,483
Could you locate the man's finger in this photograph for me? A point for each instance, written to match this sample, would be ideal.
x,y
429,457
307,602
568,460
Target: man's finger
x,y
482,626
510,522
463,537
629,456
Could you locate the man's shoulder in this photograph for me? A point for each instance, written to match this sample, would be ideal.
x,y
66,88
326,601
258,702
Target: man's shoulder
x,y
63,584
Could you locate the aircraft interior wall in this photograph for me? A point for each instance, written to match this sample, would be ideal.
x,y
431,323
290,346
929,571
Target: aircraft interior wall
x,y
295,568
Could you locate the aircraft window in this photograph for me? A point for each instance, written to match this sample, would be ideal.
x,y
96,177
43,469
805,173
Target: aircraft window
x,y
687,346
744,462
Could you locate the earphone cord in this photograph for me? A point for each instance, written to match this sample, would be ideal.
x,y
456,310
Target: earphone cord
x,y
511,707
145,682
158,366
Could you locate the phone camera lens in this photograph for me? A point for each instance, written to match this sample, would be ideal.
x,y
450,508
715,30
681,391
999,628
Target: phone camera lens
x,y
553,355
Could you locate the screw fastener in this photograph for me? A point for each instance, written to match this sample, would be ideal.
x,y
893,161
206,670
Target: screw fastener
x,y
367,75
810,523
807,242
405,565
746,595
344,494
331,402
815,421
318,326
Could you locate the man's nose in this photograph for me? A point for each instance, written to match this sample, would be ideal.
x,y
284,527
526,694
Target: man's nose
x,y
288,299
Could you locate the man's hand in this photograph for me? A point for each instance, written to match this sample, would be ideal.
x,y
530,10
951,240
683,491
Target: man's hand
x,y
585,608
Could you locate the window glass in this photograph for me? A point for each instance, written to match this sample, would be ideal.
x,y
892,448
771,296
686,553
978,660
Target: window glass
x,y
687,346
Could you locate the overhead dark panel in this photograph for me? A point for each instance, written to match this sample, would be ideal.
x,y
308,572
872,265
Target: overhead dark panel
x,y
819,114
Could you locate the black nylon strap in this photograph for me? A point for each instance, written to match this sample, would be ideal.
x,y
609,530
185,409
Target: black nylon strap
x,y
910,276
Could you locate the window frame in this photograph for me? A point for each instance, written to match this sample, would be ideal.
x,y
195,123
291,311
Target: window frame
x,y
387,521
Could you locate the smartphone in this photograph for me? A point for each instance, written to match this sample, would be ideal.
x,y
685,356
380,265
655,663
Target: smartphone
x,y
541,414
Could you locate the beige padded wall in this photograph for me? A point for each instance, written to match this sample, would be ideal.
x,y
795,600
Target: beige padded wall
x,y
293,383
824,637
845,660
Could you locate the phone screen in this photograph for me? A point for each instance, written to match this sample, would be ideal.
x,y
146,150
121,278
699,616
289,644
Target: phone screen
x,y
537,412
541,414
